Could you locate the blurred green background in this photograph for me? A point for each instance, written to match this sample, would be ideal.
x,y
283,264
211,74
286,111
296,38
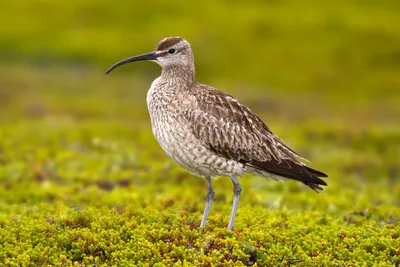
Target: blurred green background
x,y
324,75
331,53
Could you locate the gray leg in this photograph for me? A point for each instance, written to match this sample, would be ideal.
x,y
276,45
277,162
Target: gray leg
x,y
209,200
237,189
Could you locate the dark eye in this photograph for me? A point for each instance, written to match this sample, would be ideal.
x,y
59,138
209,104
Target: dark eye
x,y
171,51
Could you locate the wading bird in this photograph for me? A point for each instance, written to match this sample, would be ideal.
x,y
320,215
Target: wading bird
x,y
209,133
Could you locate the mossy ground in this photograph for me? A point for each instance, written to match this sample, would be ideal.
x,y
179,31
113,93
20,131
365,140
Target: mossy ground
x,y
83,182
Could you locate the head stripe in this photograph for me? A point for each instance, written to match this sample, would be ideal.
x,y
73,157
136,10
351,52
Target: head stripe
x,y
167,42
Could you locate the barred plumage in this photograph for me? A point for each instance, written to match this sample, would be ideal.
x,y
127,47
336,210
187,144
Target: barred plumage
x,y
210,133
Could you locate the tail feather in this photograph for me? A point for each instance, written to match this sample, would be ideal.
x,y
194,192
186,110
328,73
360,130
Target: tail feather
x,y
292,170
315,172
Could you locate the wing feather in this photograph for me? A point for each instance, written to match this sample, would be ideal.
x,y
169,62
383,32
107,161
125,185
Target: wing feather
x,y
232,130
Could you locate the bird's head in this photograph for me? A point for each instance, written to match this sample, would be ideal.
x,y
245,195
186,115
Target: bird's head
x,y
169,52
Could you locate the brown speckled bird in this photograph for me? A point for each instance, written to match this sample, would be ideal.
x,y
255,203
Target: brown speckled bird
x,y
210,133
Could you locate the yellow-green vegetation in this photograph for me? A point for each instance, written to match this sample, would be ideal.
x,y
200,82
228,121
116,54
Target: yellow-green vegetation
x,y
84,183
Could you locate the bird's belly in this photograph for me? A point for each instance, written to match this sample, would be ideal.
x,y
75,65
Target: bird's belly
x,y
179,143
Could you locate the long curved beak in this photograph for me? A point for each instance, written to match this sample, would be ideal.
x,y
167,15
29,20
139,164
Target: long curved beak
x,y
148,56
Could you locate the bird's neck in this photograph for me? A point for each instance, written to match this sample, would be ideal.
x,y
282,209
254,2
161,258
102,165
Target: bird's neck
x,y
179,74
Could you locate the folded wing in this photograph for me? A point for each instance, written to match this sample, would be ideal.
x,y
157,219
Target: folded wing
x,y
232,130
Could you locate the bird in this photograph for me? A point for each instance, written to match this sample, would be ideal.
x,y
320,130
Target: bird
x,y
210,133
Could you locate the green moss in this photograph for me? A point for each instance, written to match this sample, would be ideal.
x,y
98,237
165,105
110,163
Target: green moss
x,y
95,202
